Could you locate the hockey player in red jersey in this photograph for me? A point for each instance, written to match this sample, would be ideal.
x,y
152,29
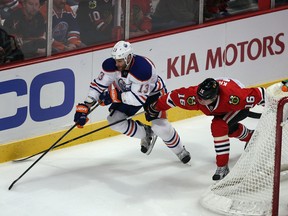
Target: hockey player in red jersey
x,y
225,99
132,82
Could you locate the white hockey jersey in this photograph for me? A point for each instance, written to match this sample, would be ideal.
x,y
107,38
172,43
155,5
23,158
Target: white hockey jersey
x,y
136,84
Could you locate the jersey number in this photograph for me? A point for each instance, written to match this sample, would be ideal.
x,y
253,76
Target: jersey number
x,y
94,16
182,99
250,101
144,89
101,75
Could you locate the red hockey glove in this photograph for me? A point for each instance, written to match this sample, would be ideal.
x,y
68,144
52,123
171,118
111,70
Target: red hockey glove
x,y
80,117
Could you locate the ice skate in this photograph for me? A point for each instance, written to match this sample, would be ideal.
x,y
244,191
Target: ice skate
x,y
147,143
220,173
184,156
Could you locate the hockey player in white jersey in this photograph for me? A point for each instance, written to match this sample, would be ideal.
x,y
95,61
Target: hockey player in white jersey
x,y
129,82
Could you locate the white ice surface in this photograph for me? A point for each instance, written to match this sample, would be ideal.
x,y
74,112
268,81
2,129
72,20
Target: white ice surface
x,y
111,177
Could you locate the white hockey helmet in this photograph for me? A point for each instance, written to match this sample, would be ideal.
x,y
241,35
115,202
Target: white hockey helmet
x,y
122,50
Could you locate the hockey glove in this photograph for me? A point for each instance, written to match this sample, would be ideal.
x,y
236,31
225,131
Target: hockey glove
x,y
105,99
284,87
115,94
111,96
80,117
151,112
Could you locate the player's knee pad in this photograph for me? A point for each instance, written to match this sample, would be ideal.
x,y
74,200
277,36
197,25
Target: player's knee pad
x,y
219,127
117,116
162,128
233,128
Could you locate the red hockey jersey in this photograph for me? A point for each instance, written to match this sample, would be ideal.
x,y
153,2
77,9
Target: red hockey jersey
x,y
232,97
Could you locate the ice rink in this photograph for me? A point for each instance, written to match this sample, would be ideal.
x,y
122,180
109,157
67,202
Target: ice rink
x,y
111,177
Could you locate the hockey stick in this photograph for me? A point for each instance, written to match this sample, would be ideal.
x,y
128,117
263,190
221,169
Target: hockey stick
x,y
56,146
79,137
47,150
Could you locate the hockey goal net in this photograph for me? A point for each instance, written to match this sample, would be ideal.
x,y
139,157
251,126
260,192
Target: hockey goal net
x,y
252,186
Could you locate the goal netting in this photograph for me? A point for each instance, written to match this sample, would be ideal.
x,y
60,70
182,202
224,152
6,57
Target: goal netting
x,y
252,186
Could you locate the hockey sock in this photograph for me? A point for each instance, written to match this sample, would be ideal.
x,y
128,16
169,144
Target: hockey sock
x,y
242,133
222,149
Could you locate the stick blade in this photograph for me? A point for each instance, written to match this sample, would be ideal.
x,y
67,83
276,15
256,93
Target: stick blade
x,y
10,187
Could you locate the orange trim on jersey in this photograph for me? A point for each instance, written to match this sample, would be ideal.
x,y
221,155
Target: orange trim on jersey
x,y
132,129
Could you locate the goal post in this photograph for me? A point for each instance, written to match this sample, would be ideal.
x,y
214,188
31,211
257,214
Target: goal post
x,y
252,186
280,122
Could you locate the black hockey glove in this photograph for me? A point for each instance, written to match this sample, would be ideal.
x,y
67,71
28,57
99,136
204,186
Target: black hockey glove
x,y
80,117
105,99
151,112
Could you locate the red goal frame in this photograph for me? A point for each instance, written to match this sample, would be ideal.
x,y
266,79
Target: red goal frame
x,y
278,150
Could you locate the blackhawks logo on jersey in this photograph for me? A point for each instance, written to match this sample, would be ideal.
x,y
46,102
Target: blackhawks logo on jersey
x,y
234,100
92,4
191,101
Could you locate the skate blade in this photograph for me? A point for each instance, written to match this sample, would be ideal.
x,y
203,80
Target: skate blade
x,y
149,150
188,164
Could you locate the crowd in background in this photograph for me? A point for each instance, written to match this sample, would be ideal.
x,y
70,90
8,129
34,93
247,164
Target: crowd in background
x,y
81,23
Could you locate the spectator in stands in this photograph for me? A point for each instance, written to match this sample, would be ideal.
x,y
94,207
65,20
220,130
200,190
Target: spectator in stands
x,y
140,19
281,2
240,6
42,2
72,2
28,26
171,14
215,9
8,6
9,50
2,55
65,30
95,19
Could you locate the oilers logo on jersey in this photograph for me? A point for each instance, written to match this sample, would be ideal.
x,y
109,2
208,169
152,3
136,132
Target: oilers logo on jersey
x,y
123,85
60,31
